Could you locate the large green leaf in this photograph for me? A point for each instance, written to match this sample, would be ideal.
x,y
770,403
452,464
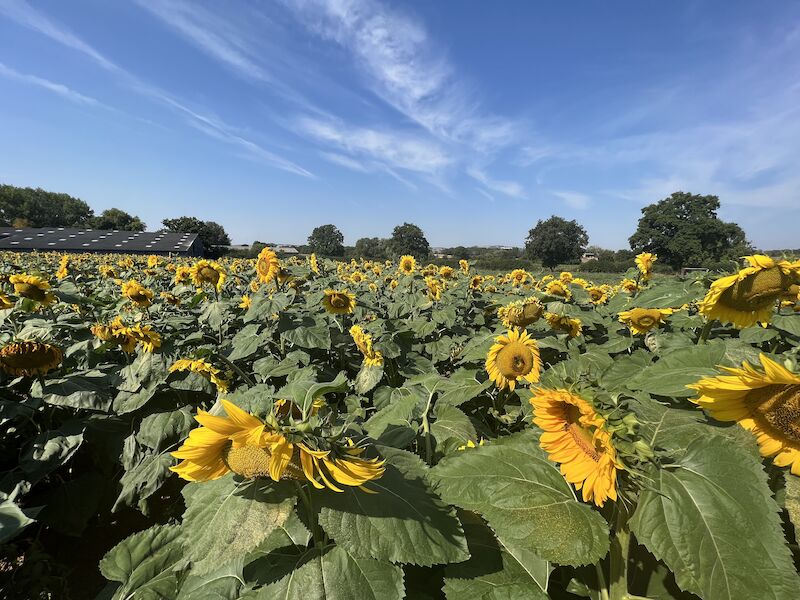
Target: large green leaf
x,y
335,574
395,424
451,429
524,498
675,370
144,564
12,520
90,390
404,522
788,323
225,520
312,335
51,449
712,519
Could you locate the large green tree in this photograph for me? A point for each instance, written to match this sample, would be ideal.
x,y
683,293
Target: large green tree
x,y
685,231
371,248
409,239
327,240
29,207
210,233
555,241
114,218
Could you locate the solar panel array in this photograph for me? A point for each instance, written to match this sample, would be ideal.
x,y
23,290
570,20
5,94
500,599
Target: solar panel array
x,y
62,239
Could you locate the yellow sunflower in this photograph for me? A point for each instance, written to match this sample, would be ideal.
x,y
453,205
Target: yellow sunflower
x,y
208,272
137,293
246,302
313,263
564,324
434,288
363,341
513,356
628,285
750,295
243,444
339,302
558,288
63,267
520,313
407,265
644,262
519,276
574,436
565,277
356,277
464,266
597,295
33,288
446,272
144,335
107,271
767,403
642,320
171,298
6,302
267,265
182,274
30,358
201,367
475,282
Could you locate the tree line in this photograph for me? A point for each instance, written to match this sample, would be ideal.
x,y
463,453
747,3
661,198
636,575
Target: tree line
x,y
683,229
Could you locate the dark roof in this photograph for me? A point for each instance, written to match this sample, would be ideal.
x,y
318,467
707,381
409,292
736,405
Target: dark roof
x,y
95,240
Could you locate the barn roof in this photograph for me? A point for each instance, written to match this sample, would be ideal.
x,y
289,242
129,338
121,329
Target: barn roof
x,y
94,240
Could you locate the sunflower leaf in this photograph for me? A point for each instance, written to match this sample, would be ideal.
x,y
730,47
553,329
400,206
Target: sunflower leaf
x,y
715,524
676,369
226,520
524,498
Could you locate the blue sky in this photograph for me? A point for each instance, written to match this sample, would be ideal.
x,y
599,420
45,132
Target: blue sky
x,y
471,119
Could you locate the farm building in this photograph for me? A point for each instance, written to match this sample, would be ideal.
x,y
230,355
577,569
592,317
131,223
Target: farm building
x,y
63,239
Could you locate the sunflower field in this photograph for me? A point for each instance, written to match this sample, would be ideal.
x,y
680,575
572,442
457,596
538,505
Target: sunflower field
x,y
310,429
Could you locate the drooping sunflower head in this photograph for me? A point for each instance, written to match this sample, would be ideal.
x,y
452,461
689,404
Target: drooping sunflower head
x,y
558,288
521,313
764,401
750,295
475,282
565,277
628,285
434,288
107,271
642,320
208,272
644,262
464,266
63,267
339,302
6,302
267,265
597,295
574,436
313,263
171,298
30,358
246,302
204,368
407,265
513,357
33,288
363,341
564,324
137,293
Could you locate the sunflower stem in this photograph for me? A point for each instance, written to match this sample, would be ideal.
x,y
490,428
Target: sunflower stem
x,y
618,556
705,331
426,428
241,373
601,581
313,525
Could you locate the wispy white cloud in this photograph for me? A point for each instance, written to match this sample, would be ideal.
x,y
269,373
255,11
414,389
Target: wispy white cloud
x,y
344,161
574,199
509,188
51,86
24,14
393,149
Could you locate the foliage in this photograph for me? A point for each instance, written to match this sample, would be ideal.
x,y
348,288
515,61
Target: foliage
x,y
556,241
326,240
684,231
409,239
210,233
470,504
29,207
371,248
114,218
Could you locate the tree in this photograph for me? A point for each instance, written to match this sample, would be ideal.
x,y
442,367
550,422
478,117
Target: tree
x,y
114,218
555,241
210,233
409,239
371,248
326,240
31,207
684,230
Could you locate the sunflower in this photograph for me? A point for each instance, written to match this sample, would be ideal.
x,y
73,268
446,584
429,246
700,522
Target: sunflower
x,y
267,265
556,287
363,341
339,302
107,271
464,266
356,277
766,403
513,356
6,302
628,285
243,444
313,263
597,295
208,272
182,274
137,293
519,276
201,367
33,288
446,272
407,264
520,313
644,262
564,324
750,295
246,302
434,288
574,436
475,282
63,267
30,358
565,277
642,320
171,298
125,263
152,261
